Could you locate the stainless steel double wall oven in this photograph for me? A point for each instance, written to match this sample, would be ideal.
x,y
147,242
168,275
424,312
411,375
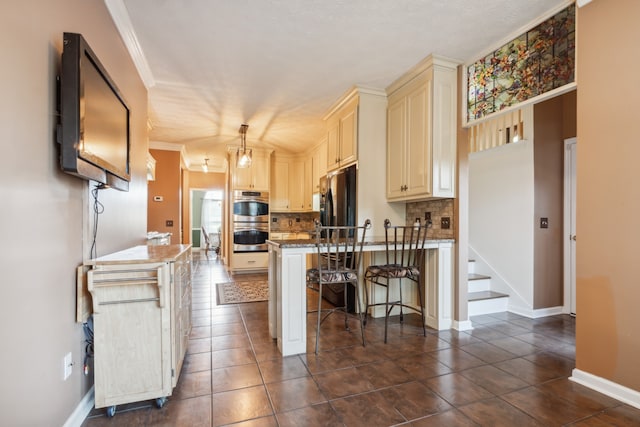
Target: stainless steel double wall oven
x,y
250,221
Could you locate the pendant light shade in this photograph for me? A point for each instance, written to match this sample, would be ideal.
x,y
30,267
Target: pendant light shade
x,y
243,155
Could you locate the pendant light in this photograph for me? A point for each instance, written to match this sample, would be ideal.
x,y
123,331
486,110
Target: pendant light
x,y
205,165
243,155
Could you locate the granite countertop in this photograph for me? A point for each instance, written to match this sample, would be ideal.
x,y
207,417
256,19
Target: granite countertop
x,y
292,230
368,241
142,253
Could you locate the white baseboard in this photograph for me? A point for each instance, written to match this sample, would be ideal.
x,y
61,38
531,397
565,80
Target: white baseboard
x,y
465,325
535,314
604,386
82,410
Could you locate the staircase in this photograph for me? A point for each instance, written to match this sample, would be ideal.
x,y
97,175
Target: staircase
x,y
481,299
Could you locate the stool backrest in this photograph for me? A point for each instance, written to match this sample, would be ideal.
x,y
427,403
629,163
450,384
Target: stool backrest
x,y
405,244
339,248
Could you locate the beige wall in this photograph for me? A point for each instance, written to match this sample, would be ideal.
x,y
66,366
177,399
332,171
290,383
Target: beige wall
x,y
46,214
550,130
608,202
167,186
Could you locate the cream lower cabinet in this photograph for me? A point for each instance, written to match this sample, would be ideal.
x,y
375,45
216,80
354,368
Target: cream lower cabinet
x,y
141,307
293,235
421,132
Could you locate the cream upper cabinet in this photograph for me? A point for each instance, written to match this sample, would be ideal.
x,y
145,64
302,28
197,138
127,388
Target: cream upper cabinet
x,y
291,190
342,135
318,165
421,132
255,177
308,183
280,192
297,185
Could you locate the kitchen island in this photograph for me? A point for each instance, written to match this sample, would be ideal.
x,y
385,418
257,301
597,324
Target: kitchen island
x,y
288,291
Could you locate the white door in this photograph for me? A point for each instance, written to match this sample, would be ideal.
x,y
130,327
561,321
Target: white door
x,y
569,231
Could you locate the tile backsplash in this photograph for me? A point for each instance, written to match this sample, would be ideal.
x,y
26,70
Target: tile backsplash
x,y
441,208
304,221
293,222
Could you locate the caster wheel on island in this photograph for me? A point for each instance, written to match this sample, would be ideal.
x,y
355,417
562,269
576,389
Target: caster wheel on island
x,y
111,411
160,401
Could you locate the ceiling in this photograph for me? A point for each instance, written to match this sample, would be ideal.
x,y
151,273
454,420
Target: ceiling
x,y
279,65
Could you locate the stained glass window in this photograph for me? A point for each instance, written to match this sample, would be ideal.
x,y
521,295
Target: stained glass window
x,y
540,60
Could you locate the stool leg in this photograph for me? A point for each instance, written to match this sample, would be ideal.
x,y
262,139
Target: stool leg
x,y
346,304
367,287
424,328
400,287
386,314
319,314
359,308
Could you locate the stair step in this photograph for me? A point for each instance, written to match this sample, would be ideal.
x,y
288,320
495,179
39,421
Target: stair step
x,y
476,276
471,266
485,295
487,302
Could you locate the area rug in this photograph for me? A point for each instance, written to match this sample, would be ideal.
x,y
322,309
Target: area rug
x,y
241,292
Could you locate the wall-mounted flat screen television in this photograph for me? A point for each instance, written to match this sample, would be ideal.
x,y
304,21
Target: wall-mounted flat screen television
x,y
94,118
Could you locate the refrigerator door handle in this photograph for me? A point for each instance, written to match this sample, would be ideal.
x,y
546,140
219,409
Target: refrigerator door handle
x,y
329,208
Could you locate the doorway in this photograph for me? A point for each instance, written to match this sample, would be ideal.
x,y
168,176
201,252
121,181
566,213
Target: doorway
x,y
206,213
569,230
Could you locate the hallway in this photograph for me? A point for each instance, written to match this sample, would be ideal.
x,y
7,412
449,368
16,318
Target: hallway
x,y
508,371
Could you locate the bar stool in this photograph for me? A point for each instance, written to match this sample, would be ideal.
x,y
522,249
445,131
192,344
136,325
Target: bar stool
x,y
339,255
404,260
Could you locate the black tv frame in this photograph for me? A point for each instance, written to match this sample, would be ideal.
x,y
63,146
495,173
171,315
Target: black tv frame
x,y
76,57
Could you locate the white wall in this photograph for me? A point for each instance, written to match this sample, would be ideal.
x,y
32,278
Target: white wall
x,y
501,202
372,166
44,211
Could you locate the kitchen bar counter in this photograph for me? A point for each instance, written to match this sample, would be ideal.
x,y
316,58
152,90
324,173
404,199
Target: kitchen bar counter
x,y
142,254
288,295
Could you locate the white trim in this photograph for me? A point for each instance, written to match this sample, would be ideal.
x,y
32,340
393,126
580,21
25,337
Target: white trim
x,y
79,414
120,17
536,313
605,386
567,230
464,325
353,92
421,67
167,146
582,3
569,87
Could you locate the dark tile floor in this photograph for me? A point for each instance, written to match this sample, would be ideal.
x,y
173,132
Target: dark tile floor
x,y
508,371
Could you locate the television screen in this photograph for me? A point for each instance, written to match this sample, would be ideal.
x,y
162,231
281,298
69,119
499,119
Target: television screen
x,y
94,123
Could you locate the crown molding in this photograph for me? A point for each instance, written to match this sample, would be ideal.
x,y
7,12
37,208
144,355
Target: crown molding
x,y
120,17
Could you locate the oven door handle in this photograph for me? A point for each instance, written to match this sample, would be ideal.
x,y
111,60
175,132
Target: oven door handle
x,y
250,199
250,227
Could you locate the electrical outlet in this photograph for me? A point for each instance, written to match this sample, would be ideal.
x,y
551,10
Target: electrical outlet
x,y
544,222
427,216
67,363
445,222
169,223
274,219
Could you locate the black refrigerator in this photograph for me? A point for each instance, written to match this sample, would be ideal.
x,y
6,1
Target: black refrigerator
x,y
338,207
